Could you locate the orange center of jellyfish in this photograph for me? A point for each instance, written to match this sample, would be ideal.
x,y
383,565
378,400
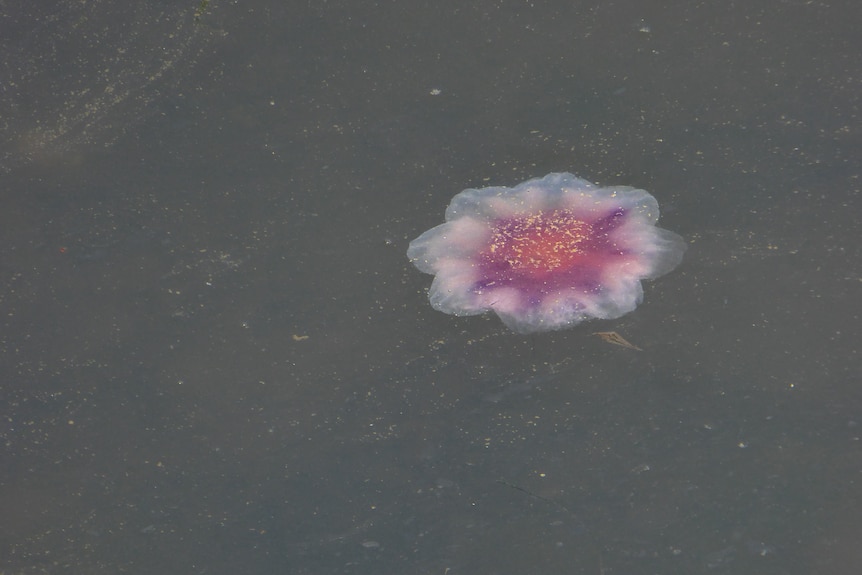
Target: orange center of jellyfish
x,y
540,244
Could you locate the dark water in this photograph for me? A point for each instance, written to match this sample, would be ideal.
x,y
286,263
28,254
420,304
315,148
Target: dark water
x,y
216,358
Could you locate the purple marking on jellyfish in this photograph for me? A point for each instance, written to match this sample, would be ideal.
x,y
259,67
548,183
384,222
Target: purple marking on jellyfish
x,y
610,222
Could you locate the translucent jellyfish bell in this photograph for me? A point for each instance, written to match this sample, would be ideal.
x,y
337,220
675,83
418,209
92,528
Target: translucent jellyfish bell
x,y
547,254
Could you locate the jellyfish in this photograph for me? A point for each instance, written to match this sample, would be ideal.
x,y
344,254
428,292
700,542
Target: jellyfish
x,y
546,254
